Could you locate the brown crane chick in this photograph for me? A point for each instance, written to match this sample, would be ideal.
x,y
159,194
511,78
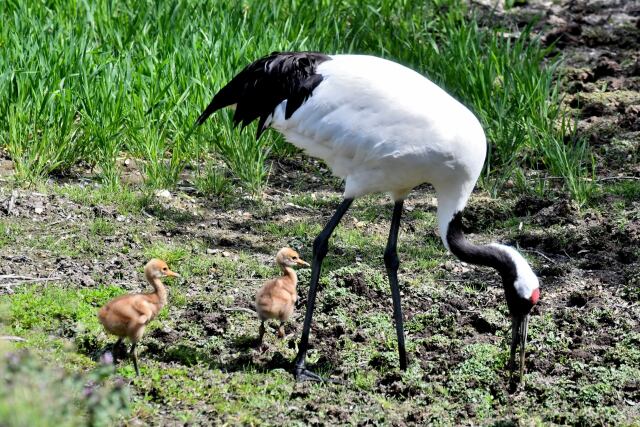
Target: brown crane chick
x,y
126,316
276,298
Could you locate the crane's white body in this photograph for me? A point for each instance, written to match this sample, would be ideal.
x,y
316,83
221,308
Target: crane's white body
x,y
380,126
385,128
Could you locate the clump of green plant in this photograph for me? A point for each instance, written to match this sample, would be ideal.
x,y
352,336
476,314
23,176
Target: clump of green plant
x,y
94,85
169,253
628,190
125,200
35,394
212,181
102,227
434,320
631,290
44,140
474,378
8,233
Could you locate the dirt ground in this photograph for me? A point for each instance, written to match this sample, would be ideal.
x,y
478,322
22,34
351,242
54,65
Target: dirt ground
x,y
584,352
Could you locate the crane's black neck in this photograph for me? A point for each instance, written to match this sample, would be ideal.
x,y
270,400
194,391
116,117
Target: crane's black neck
x,y
490,256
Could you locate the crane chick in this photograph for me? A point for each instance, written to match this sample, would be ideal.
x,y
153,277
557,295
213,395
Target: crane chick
x,y
127,316
276,298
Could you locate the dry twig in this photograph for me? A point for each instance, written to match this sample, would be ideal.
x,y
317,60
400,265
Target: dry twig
x,y
16,279
10,338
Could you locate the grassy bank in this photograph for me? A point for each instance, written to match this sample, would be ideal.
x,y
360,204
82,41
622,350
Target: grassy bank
x,y
83,84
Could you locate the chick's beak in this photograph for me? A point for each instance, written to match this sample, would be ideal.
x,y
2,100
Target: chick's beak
x,y
172,274
302,263
519,326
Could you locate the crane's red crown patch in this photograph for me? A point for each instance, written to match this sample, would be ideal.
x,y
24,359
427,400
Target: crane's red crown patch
x,y
535,296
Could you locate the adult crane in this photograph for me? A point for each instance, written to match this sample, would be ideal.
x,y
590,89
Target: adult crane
x,y
382,127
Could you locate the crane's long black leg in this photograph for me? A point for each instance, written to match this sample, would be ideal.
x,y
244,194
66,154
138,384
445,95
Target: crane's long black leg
x,y
392,263
134,357
320,248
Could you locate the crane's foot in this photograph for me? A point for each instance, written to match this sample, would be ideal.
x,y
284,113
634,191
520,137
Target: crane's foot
x,y
303,374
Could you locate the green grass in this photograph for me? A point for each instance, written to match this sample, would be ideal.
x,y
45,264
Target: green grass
x,y
212,180
8,234
46,308
172,255
312,201
102,227
300,230
84,82
628,190
124,199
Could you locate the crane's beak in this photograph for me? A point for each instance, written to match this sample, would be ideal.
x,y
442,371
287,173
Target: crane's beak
x,y
172,274
302,263
519,326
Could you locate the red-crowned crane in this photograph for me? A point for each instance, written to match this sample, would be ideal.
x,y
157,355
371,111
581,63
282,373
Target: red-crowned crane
x,y
381,127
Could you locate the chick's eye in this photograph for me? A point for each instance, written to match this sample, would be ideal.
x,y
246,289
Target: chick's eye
x,y
295,257
164,268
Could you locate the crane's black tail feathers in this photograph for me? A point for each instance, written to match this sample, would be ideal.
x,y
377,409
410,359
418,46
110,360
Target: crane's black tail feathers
x,y
262,85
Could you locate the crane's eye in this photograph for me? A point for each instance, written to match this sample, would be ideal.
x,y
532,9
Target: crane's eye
x,y
295,257
164,269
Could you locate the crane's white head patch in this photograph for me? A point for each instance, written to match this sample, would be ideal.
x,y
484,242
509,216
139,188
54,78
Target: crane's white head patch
x,y
526,282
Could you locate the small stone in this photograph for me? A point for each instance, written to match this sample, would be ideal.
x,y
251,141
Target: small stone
x,y
449,265
121,218
165,194
39,210
557,21
87,281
